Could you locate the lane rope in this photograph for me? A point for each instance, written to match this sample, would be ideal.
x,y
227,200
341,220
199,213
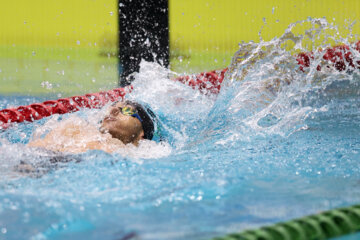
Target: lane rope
x,y
324,225
38,111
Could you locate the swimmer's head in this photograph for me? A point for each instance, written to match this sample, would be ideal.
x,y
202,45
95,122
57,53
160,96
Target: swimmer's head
x,y
129,122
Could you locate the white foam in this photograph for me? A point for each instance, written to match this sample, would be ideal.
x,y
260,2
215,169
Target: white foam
x,y
146,150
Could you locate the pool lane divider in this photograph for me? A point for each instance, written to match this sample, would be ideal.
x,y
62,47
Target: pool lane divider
x,y
324,225
206,82
340,57
38,111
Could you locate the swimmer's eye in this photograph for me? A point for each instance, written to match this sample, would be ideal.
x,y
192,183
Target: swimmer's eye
x,y
128,111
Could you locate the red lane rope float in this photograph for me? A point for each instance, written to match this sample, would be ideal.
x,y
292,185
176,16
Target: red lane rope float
x,y
339,57
38,111
207,82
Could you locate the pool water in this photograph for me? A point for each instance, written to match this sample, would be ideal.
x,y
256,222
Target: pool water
x,y
277,143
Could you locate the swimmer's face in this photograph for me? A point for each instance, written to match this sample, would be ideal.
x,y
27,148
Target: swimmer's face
x,y
128,129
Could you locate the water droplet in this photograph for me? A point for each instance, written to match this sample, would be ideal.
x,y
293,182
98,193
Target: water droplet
x,y
23,136
46,85
3,230
78,42
111,13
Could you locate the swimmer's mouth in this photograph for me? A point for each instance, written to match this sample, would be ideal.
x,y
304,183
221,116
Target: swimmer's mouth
x,y
109,118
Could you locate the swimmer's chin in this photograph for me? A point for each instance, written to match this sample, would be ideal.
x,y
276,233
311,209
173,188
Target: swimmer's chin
x,y
103,130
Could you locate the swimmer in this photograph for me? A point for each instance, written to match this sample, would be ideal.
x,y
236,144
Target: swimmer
x,y
126,122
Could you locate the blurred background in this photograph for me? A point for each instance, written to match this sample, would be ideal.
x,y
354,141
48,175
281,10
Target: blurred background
x,y
67,47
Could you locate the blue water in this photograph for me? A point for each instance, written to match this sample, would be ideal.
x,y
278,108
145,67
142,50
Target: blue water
x,y
253,155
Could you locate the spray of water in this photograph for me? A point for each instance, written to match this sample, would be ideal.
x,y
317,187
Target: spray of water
x,y
265,89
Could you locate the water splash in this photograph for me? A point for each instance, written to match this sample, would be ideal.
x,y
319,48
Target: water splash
x,y
266,92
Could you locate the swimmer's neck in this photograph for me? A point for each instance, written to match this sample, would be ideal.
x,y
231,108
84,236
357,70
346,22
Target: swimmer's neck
x,y
106,133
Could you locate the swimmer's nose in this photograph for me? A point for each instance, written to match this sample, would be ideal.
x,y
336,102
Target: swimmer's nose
x,y
114,111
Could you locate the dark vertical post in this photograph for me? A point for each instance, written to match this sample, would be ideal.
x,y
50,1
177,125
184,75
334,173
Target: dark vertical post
x,y
143,34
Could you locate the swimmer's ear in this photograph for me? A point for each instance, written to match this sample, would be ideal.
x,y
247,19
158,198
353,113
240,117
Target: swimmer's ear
x,y
141,135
